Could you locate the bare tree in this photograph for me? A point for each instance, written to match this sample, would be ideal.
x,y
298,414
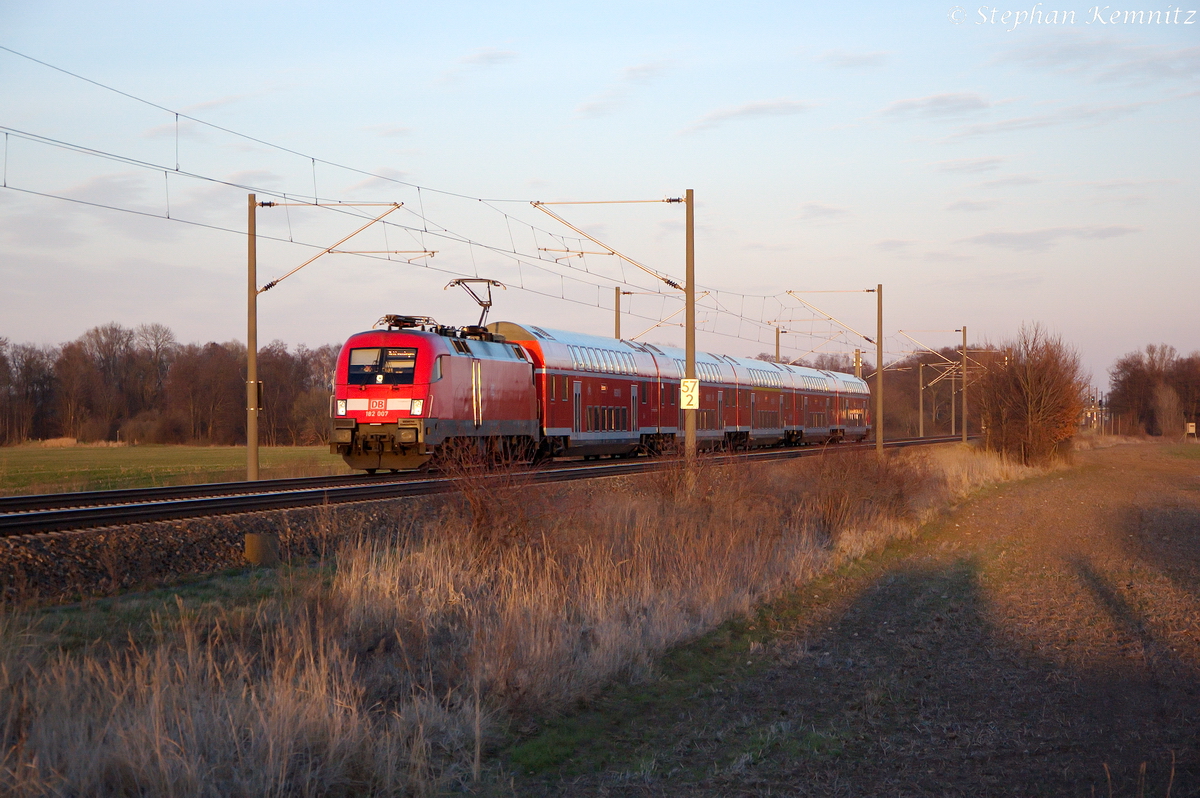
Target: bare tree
x,y
1156,388
6,399
31,391
1167,411
1030,403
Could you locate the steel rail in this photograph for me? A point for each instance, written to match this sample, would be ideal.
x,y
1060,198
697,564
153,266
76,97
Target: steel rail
x,y
92,498
230,498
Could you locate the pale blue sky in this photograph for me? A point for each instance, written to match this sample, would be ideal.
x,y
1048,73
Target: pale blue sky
x,y
984,174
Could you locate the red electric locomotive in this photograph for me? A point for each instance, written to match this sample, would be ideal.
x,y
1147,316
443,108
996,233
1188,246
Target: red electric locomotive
x,y
403,392
407,392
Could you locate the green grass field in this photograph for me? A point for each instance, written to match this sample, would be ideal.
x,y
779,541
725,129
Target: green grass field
x,y
1189,450
33,468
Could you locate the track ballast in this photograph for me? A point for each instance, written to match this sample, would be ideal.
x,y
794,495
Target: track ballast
x,y
30,515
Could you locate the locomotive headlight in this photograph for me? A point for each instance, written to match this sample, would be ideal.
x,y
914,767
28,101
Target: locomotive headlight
x,y
417,406
341,407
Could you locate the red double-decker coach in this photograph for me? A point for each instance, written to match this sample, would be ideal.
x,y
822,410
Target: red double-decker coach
x,y
414,389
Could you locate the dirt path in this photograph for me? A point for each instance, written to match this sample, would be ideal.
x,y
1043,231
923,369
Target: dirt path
x,y
1043,630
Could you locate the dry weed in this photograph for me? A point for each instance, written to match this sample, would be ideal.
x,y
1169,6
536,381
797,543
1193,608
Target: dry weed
x,y
390,678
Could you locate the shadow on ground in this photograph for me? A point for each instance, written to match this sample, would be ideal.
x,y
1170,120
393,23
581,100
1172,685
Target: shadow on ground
x,y
908,691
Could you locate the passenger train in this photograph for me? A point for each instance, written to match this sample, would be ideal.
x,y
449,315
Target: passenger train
x,y
414,389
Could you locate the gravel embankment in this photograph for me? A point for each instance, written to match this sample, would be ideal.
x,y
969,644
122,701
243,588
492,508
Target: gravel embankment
x,y
65,566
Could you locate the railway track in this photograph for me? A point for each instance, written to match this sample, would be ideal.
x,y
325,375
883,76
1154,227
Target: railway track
x,y
30,515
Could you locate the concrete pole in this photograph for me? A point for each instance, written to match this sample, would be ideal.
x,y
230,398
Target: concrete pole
x,y
777,345
858,363
617,318
251,343
964,387
921,401
261,548
879,370
689,416
953,407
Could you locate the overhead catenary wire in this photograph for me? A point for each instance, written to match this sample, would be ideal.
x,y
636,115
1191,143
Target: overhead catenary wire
x,y
441,230
311,158
520,259
242,233
344,208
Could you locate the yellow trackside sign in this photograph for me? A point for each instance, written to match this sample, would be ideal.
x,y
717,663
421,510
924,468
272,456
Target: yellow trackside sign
x,y
689,394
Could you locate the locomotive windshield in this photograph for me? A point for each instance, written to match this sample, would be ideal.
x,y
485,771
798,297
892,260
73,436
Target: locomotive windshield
x,y
386,366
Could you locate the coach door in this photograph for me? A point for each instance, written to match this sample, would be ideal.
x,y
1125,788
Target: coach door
x,y
720,410
634,421
477,392
577,400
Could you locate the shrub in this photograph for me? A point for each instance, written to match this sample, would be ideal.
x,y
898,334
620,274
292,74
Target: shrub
x,y
1031,401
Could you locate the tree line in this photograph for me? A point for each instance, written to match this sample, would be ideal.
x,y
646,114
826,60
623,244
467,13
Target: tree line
x,y
140,385
1156,390
1025,396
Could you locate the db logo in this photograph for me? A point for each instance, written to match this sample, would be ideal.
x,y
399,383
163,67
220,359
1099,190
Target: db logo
x,y
377,404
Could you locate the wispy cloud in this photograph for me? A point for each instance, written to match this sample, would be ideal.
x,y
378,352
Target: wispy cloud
x,y
221,102
969,165
487,57
1109,61
184,129
389,131
1125,185
845,60
1043,239
944,256
816,211
1079,115
481,59
386,177
255,177
754,110
1012,180
938,106
988,281
630,79
973,206
123,189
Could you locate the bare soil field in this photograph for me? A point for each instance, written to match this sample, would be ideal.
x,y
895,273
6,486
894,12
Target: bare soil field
x,y
1042,638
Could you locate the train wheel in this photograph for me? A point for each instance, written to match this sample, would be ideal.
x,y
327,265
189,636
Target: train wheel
x,y
371,471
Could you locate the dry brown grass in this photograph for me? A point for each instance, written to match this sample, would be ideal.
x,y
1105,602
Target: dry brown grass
x,y
391,676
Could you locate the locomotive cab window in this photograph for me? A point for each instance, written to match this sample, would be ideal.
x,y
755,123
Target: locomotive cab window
x,y
387,366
